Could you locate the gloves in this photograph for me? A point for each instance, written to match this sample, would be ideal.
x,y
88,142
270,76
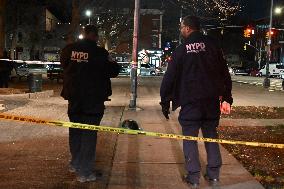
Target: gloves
x,y
165,108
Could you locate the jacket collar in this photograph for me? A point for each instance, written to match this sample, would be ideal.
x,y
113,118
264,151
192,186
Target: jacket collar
x,y
90,41
193,35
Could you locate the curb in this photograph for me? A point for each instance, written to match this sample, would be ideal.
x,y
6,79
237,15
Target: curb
x,y
275,84
250,122
43,94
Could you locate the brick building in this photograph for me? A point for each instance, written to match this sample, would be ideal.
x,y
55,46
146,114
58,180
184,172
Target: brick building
x,y
30,32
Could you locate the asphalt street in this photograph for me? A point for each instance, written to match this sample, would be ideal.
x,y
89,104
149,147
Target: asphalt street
x,y
243,94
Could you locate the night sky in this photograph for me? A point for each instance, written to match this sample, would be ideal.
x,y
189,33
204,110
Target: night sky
x,y
257,9
251,9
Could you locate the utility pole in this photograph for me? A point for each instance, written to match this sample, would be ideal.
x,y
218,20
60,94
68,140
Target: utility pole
x,y
266,82
134,62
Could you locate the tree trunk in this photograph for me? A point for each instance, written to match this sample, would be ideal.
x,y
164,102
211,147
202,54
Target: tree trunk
x,y
74,23
2,27
13,51
107,44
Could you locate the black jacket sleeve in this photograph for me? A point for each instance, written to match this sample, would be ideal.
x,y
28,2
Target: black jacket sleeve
x,y
65,56
169,79
113,69
227,92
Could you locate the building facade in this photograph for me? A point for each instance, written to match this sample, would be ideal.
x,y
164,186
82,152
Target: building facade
x,y
30,32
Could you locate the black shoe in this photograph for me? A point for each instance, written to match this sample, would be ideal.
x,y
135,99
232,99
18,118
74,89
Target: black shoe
x,y
212,182
191,185
72,169
90,178
98,173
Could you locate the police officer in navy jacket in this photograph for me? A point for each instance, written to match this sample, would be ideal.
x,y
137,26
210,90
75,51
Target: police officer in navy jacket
x,y
198,80
87,70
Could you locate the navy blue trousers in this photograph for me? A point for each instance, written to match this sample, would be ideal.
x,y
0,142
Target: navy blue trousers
x,y
82,143
201,114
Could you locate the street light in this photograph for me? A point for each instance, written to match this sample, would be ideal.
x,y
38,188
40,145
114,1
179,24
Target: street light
x,y
88,14
266,82
278,10
81,36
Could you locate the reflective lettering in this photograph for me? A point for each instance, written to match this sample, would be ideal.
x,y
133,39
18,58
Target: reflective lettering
x,y
79,56
195,47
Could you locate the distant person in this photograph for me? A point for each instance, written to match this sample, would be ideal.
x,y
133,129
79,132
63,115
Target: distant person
x,y
87,70
198,80
5,72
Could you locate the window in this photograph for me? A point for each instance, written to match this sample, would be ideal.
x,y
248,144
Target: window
x,y
155,24
118,59
280,66
145,66
155,41
20,37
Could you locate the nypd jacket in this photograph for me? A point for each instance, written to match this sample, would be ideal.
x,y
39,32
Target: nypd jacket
x,y
86,73
197,71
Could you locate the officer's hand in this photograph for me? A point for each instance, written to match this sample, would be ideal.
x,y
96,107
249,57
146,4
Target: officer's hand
x,y
165,108
225,108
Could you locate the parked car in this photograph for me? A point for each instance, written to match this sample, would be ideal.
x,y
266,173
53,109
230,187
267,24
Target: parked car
x,y
240,71
254,72
275,70
160,71
125,68
54,71
20,69
36,68
147,70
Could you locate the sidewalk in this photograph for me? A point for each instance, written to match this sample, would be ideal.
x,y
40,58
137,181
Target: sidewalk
x,y
147,162
127,161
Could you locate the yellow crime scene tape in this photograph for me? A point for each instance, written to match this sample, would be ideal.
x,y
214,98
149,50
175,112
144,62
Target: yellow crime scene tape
x,y
132,132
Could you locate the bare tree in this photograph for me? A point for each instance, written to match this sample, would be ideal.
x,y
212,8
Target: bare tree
x,y
114,24
112,21
215,9
78,6
75,20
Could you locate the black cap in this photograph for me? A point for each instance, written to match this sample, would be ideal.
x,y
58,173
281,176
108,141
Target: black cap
x,y
130,124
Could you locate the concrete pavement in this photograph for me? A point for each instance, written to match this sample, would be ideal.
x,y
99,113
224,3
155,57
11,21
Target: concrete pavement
x,y
127,161
146,162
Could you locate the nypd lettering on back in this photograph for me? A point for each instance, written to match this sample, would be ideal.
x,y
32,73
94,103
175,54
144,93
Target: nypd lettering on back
x,y
79,56
195,47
